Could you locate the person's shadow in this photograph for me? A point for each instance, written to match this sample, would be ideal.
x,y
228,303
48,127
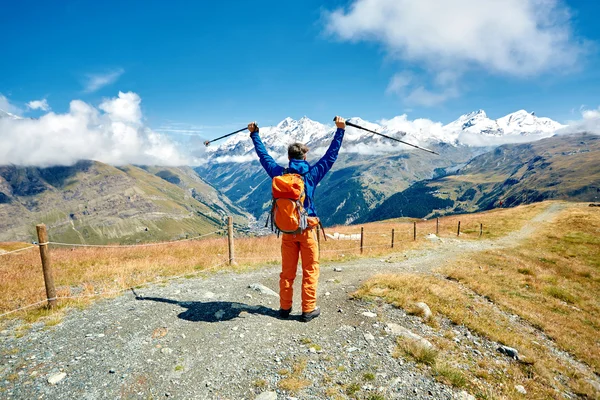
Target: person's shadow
x,y
213,311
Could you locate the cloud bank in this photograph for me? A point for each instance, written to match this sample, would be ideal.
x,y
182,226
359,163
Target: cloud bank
x,y
589,123
113,133
446,39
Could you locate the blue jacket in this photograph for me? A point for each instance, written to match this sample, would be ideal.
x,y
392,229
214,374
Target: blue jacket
x,y
312,174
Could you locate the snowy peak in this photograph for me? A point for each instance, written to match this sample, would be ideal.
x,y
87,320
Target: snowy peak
x,y
6,114
524,123
419,131
518,123
277,137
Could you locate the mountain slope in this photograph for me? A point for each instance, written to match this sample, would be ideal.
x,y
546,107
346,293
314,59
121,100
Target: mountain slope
x,y
560,167
92,202
370,168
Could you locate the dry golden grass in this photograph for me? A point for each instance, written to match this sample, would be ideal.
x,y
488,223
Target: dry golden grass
x,y
90,271
293,381
552,281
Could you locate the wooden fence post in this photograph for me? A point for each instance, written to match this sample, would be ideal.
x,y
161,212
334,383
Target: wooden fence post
x,y
46,266
414,231
437,227
230,240
458,231
480,229
392,238
362,236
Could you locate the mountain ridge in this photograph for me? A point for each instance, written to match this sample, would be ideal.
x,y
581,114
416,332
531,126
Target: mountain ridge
x,y
95,203
313,133
562,167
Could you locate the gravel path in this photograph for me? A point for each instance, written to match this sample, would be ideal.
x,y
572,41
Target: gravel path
x,y
217,338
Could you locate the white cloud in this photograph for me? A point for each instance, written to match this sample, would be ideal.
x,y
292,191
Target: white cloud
x,y
590,123
95,82
39,105
113,133
399,83
448,38
235,159
7,106
591,114
423,96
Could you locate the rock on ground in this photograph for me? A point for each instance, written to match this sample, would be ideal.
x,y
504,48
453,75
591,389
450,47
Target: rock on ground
x,y
267,396
262,289
401,331
423,310
54,379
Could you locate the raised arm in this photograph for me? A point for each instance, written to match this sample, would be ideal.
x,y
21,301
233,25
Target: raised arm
x,y
268,163
323,166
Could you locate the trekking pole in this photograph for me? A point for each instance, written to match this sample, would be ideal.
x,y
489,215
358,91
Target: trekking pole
x,y
389,137
224,136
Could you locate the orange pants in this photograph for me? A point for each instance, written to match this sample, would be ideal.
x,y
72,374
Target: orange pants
x,y
292,246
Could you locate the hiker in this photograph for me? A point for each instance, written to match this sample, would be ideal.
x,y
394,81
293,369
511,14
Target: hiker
x,y
304,243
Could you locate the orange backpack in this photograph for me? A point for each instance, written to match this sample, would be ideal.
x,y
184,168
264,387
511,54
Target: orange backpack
x,y
287,211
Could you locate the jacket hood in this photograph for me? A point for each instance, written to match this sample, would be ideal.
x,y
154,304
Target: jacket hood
x,y
300,167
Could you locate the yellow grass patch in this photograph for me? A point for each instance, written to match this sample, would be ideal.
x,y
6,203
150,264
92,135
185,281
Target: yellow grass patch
x,y
86,272
552,281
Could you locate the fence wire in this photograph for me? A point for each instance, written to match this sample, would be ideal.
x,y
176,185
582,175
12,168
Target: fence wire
x,y
17,251
108,293
397,233
124,246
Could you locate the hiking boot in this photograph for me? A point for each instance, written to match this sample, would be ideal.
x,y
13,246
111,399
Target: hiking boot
x,y
284,313
309,316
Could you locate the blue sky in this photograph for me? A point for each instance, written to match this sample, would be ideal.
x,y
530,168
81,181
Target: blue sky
x,y
211,66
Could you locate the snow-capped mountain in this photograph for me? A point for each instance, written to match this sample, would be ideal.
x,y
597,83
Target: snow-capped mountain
x,y
276,137
370,168
518,123
418,131
6,114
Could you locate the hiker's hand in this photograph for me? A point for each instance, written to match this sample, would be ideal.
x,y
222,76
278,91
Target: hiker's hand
x,y
252,127
340,122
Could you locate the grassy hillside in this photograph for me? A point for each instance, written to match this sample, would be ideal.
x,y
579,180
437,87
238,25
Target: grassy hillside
x,y
540,297
92,202
561,167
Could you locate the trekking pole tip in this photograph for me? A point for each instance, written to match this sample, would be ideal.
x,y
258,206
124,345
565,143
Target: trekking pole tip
x,y
206,143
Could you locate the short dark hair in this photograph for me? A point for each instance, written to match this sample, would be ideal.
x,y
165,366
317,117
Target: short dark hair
x,y
297,151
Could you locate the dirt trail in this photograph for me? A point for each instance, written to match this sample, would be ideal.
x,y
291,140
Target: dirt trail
x,y
214,337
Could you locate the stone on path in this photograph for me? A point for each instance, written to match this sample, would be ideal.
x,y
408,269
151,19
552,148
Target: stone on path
x,y
401,331
267,396
209,295
369,314
337,269
423,310
262,289
54,379
432,237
